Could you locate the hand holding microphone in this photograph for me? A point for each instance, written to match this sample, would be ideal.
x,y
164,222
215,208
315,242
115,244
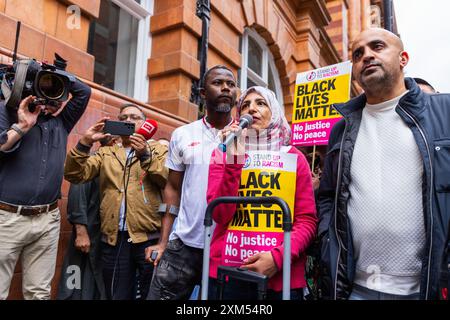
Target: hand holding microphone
x,y
139,139
235,131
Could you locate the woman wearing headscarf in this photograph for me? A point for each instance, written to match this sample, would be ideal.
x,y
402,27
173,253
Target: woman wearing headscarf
x,y
267,138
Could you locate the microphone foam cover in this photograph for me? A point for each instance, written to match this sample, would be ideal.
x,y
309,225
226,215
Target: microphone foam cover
x,y
148,129
247,117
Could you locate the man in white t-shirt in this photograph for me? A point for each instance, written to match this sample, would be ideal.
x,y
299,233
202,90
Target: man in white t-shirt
x,y
179,259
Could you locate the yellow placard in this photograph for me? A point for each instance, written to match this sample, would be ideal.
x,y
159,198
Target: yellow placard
x,y
265,183
313,100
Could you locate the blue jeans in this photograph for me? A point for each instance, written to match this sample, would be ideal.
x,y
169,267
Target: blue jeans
x,y
361,293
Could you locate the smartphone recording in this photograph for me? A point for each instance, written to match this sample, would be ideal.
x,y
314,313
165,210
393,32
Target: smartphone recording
x,y
119,128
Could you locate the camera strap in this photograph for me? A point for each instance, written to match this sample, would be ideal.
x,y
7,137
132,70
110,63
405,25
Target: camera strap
x,y
14,96
6,90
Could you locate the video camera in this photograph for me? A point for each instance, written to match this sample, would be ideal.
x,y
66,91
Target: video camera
x,y
49,83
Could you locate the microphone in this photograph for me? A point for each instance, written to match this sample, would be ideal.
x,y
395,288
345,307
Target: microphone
x,y
148,129
244,122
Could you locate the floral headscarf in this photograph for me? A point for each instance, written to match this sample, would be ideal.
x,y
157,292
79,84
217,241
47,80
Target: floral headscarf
x,y
278,133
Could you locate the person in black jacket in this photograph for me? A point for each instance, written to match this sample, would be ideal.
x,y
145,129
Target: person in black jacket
x,y
32,153
384,194
81,275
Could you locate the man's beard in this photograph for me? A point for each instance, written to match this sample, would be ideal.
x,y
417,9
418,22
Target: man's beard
x,y
376,82
223,108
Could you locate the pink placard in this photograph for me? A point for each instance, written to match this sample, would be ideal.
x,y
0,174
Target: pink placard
x,y
239,245
310,133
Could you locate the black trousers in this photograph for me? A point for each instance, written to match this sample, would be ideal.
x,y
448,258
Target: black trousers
x,y
177,273
125,268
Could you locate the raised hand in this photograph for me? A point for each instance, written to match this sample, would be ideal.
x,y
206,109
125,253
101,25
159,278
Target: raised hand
x,y
94,133
236,147
25,118
139,144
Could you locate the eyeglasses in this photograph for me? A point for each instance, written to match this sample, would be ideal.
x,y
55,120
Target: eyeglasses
x,y
123,117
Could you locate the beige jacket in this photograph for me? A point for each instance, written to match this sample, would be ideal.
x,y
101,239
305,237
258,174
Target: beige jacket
x,y
146,180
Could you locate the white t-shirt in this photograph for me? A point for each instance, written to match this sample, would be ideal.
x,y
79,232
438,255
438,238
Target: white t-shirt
x,y
190,150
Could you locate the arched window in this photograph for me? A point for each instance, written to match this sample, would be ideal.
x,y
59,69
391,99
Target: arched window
x,y
258,66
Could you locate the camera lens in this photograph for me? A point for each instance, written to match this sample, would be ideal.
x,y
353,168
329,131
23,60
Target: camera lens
x,y
51,86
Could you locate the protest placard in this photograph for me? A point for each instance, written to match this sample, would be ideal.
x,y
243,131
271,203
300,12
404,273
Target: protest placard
x,y
255,227
315,93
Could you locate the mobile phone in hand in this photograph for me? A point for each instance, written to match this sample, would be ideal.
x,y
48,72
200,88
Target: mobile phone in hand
x,y
119,128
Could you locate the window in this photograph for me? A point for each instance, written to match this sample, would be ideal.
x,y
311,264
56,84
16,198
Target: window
x,y
258,67
120,42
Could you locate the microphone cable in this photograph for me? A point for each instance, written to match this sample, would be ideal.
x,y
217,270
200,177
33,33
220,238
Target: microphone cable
x,y
126,179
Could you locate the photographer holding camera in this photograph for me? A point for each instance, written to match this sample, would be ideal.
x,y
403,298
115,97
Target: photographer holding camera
x,y
32,153
131,177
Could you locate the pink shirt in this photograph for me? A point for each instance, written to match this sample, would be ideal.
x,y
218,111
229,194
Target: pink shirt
x,y
224,181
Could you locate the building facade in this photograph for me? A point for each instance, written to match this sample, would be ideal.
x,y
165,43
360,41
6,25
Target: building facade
x,y
148,52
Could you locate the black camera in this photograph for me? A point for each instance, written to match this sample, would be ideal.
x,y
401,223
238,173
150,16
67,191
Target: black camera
x,y
50,83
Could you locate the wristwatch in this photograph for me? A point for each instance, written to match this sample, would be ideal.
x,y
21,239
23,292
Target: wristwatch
x,y
16,128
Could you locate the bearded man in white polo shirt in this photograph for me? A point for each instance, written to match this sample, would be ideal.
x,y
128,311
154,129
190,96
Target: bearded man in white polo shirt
x,y
179,259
